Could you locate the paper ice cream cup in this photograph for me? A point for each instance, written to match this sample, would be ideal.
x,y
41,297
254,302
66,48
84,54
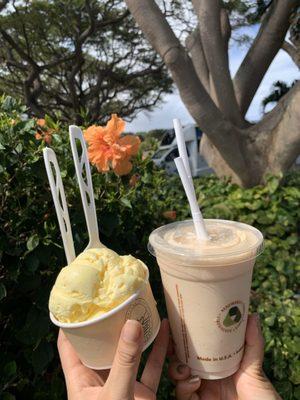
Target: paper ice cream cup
x,y
95,340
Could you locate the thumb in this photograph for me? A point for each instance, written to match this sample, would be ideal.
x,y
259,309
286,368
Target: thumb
x,y
254,348
121,380
186,390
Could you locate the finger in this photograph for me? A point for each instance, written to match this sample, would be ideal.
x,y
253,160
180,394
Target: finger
x,y
177,370
186,390
152,371
170,351
121,380
254,348
67,354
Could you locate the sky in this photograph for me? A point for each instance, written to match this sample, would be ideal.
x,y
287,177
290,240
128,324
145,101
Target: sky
x,y
282,68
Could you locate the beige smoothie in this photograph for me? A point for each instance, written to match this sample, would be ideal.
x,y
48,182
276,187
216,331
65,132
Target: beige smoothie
x,y
207,289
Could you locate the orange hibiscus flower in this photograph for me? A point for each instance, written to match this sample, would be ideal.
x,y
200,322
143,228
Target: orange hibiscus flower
x,y
41,122
43,133
107,149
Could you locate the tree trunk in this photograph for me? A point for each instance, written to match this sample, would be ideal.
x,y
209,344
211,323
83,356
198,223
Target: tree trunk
x,y
215,160
272,145
232,146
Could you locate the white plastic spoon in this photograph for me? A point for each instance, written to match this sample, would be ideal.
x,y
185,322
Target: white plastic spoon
x,y
83,173
59,198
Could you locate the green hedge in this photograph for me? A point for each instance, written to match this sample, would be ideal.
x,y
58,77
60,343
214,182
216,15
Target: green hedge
x,y
31,251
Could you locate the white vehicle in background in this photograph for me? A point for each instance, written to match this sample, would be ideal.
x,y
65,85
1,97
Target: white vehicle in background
x,y
168,151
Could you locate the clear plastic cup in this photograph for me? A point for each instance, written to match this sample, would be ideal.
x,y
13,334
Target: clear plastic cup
x,y
207,296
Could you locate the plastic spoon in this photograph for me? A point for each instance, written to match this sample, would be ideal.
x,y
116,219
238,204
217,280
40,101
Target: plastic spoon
x,y
83,173
59,198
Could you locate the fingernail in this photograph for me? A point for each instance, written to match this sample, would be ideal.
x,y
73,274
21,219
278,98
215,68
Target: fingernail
x,y
194,379
131,331
165,323
181,368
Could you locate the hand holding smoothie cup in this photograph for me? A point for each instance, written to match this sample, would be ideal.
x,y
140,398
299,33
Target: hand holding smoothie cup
x,y
207,290
206,268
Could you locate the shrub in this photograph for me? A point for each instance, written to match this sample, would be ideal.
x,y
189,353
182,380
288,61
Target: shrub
x,y
128,208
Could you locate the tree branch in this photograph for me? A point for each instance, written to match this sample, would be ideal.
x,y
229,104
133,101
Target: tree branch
x,y
103,24
292,51
31,96
262,52
10,61
3,4
220,131
286,139
195,48
209,17
16,47
58,61
225,28
226,33
277,135
91,28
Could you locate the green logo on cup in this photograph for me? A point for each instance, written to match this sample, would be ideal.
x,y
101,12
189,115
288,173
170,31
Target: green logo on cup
x,y
233,317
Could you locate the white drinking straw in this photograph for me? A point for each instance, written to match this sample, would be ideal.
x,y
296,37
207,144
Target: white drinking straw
x,y
190,194
182,148
184,170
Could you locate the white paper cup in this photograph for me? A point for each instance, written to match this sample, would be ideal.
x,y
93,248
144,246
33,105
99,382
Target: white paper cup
x,y
95,340
203,294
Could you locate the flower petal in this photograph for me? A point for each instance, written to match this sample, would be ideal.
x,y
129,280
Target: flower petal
x,y
122,167
132,144
93,134
171,215
101,160
118,152
114,127
48,137
41,122
134,180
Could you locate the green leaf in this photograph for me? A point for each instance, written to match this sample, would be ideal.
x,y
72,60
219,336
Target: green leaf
x,y
8,396
273,185
109,223
3,292
32,242
32,262
297,393
10,369
126,202
295,373
8,104
29,124
41,357
270,320
36,327
19,148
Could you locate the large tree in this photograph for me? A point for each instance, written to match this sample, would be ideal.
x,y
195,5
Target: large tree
x,y
83,58
218,103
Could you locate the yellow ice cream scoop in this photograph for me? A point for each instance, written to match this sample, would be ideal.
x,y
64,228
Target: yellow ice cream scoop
x,y
97,281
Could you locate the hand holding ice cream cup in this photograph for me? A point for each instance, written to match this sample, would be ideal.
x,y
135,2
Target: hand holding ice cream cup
x,y
98,291
94,296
